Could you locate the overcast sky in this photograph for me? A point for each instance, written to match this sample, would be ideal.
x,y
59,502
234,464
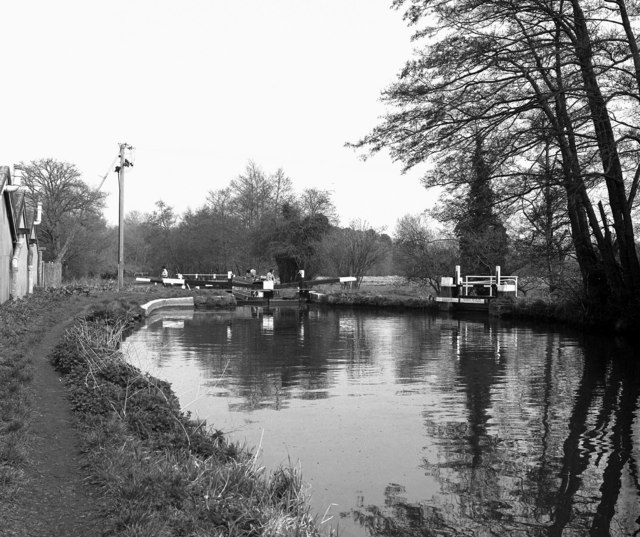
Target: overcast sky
x,y
200,88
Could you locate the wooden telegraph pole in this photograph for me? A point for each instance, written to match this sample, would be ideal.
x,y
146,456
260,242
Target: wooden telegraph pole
x,y
120,170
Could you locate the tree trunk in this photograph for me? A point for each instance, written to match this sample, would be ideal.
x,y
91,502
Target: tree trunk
x,y
623,277
577,203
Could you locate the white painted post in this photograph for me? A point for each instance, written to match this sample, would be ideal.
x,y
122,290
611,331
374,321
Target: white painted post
x,y
31,261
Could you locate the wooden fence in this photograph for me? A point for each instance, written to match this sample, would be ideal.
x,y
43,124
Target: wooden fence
x,y
50,275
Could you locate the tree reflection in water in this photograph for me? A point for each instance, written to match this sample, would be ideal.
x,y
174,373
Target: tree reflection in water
x,y
507,430
575,473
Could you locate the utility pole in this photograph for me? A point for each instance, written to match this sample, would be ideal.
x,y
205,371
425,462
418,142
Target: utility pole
x,y
120,170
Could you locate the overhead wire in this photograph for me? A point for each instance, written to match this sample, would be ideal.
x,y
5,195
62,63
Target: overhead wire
x,y
104,177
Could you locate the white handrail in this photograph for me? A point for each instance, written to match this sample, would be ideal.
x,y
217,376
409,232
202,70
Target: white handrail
x,y
196,276
470,281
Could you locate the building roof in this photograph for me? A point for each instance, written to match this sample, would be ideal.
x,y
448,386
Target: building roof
x,y
18,202
5,180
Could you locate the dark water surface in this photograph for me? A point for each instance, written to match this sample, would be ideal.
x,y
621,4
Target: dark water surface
x,y
407,424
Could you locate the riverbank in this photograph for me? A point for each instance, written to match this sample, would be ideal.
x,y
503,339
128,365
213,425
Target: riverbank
x,y
378,292
395,292
131,462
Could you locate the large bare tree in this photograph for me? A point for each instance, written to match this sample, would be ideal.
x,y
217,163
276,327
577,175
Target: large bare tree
x,y
421,252
494,68
354,250
68,203
314,201
253,196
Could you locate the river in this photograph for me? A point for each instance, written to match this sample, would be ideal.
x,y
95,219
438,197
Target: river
x,y
409,424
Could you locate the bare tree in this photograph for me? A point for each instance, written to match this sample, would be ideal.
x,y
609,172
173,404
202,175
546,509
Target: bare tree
x,y
353,251
493,68
163,221
220,201
282,188
421,253
137,238
316,201
252,195
68,203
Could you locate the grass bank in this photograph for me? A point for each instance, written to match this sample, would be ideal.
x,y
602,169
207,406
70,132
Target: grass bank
x,y
163,472
396,292
159,472
380,292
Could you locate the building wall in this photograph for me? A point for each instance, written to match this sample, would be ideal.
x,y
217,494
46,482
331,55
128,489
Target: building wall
x,y
22,277
6,250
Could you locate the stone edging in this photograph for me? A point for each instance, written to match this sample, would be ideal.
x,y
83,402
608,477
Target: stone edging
x,y
181,302
315,296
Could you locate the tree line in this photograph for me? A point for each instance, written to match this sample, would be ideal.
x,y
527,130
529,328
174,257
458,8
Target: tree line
x,y
257,221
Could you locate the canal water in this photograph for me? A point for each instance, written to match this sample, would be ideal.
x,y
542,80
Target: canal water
x,y
408,424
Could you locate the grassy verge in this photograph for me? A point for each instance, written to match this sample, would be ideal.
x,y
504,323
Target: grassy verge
x,y
381,292
164,473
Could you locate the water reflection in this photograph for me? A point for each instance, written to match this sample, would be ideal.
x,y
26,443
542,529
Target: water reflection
x,y
420,425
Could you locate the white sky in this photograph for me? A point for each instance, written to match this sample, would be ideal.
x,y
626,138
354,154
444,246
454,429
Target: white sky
x,y
199,88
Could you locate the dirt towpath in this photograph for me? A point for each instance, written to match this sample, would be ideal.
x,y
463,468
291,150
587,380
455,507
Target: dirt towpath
x,y
56,499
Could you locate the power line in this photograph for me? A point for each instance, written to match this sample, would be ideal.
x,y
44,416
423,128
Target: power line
x,y
104,177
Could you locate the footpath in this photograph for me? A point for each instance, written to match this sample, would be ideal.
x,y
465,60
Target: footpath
x,y
56,500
